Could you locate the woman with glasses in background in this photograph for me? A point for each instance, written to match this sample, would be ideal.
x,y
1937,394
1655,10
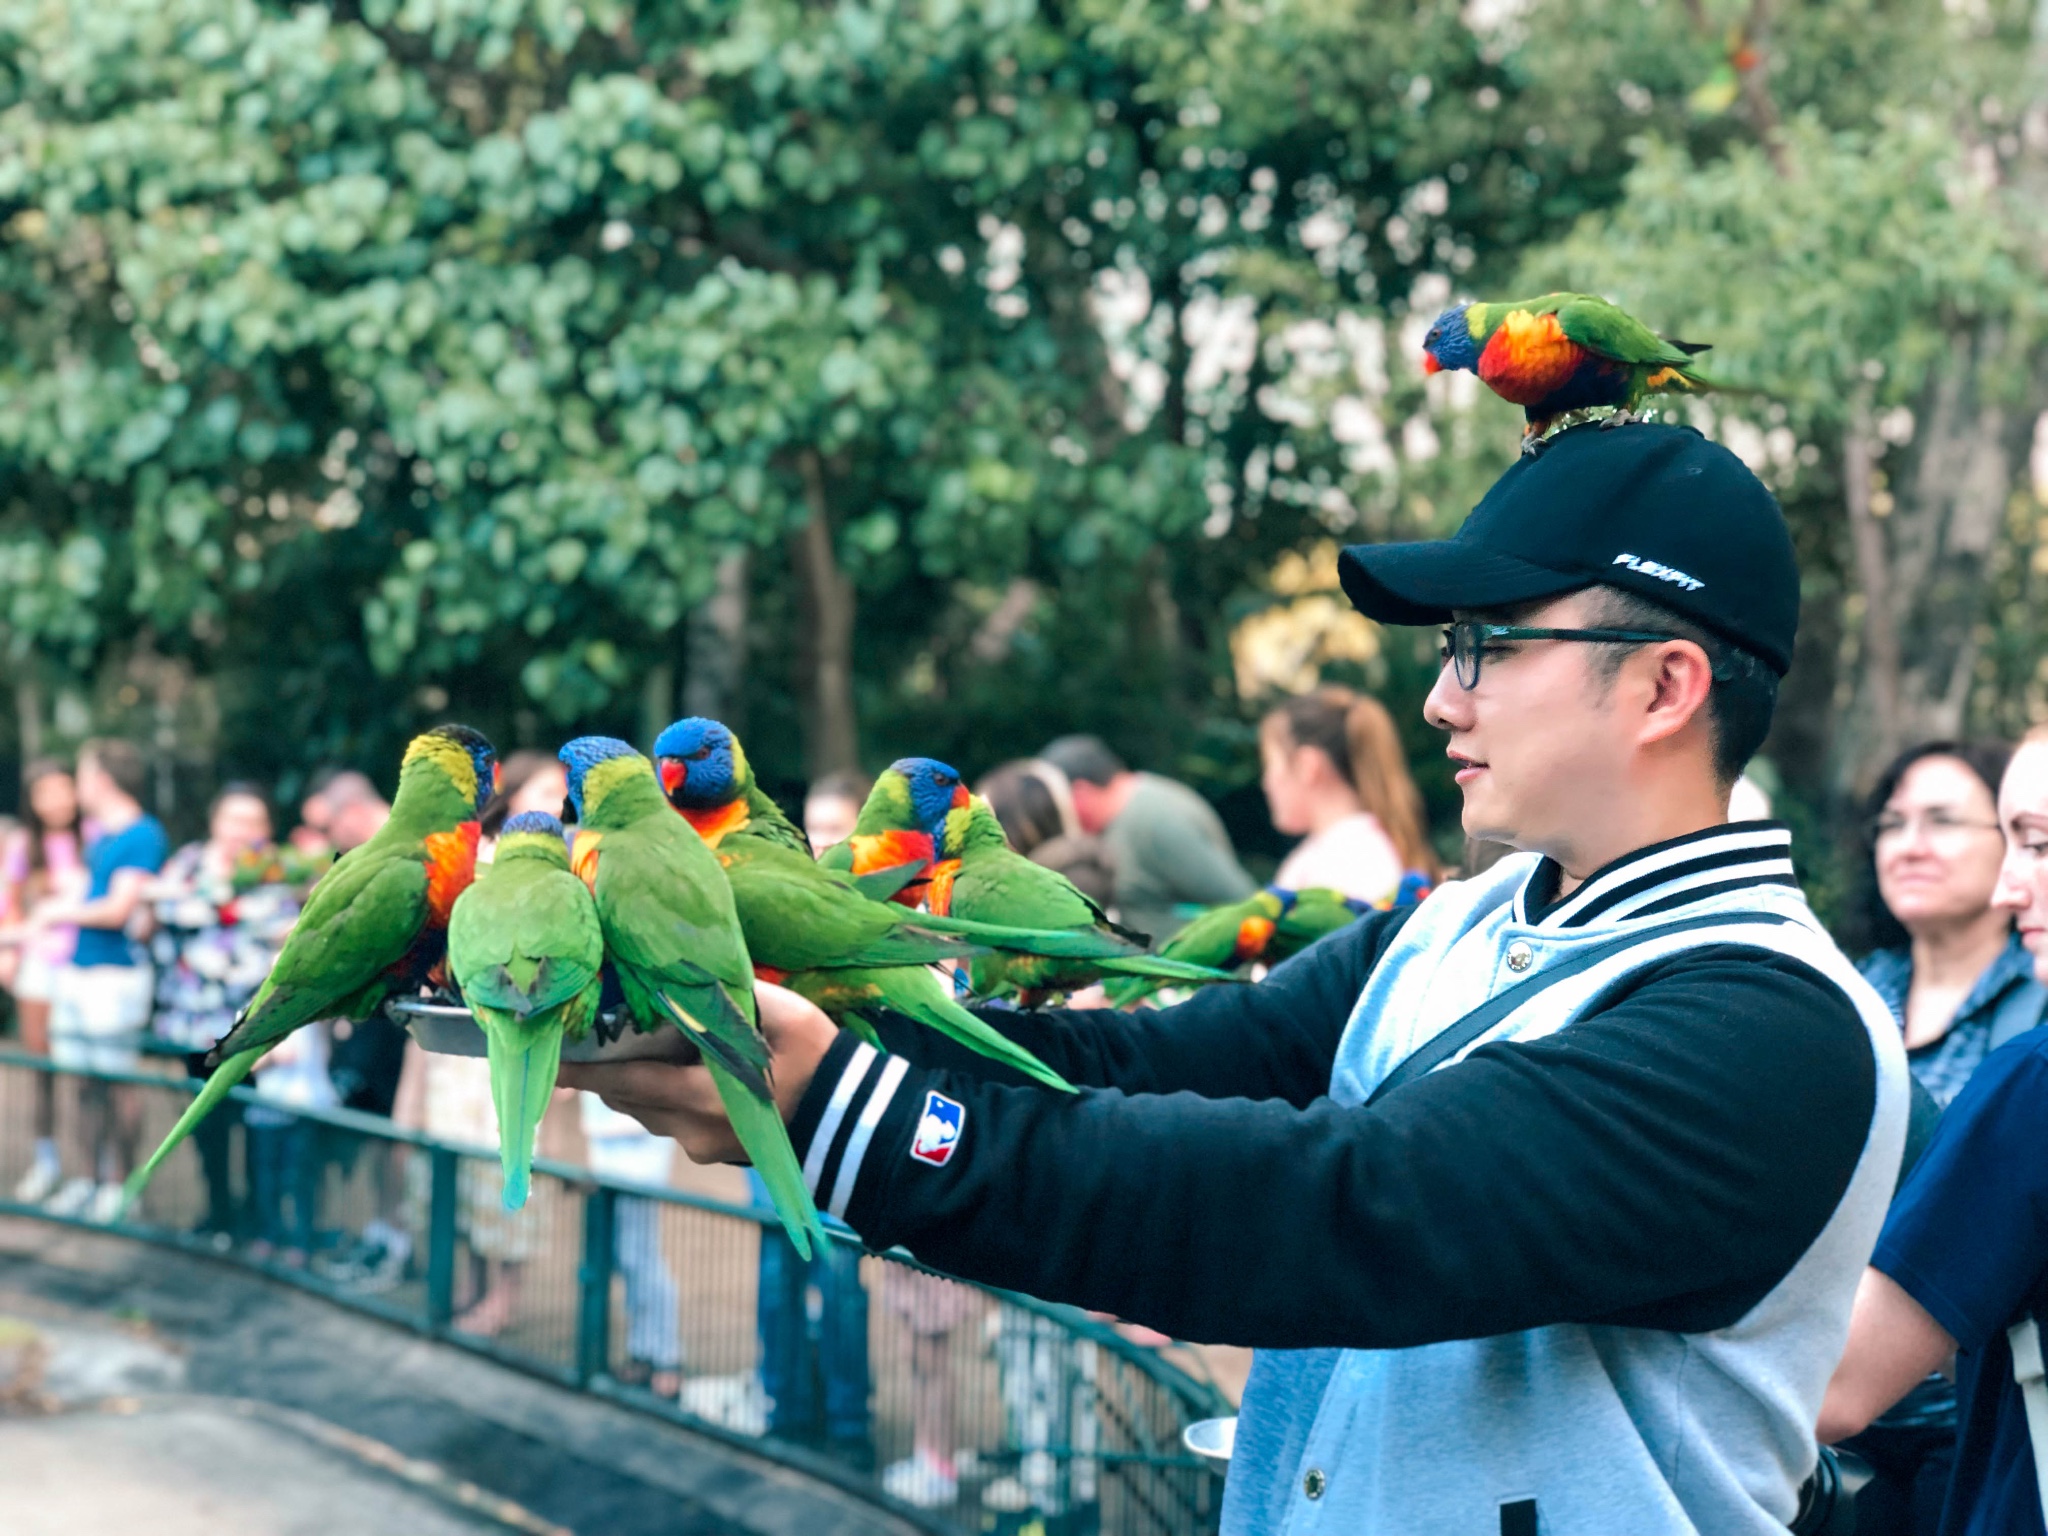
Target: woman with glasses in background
x,y
1960,984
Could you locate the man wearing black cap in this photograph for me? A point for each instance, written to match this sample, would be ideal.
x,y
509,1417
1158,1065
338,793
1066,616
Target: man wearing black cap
x,y
1544,1203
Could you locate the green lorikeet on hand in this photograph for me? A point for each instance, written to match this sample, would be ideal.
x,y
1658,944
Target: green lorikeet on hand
x,y
979,877
1265,928
524,946
888,854
376,926
811,929
674,938
1562,352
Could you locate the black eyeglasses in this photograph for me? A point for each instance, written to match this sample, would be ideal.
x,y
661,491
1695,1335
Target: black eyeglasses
x,y
1465,643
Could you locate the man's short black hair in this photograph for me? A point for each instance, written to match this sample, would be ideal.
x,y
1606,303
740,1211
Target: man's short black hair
x,y
1084,759
120,760
1744,695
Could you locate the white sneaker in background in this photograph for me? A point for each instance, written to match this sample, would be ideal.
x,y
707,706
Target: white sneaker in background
x,y
72,1199
105,1205
39,1183
921,1480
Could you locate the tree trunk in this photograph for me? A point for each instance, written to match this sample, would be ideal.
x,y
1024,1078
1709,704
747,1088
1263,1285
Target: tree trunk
x,y
716,642
825,658
28,713
1924,558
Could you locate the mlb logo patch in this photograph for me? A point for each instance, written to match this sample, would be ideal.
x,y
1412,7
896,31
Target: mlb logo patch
x,y
938,1130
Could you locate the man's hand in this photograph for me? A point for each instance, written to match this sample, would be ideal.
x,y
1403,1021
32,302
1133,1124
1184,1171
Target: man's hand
x,y
682,1102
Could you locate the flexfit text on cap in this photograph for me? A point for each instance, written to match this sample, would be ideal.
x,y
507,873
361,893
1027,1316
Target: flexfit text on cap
x,y
1650,508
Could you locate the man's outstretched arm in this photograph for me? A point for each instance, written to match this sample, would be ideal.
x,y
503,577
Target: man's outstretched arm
x,y
1660,1164
1275,1040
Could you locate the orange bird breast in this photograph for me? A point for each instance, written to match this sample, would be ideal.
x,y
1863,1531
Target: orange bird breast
x,y
1528,358
892,850
938,896
583,858
451,865
1252,935
714,824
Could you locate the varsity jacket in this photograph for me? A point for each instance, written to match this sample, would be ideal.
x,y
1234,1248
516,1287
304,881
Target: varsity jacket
x,y
1589,1276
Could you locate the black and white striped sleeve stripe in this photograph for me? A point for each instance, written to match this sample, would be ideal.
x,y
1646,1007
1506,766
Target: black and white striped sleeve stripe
x,y
836,1128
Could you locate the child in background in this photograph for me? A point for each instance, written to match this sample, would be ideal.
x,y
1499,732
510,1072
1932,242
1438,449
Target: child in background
x,y
43,860
284,1161
621,1148
102,1000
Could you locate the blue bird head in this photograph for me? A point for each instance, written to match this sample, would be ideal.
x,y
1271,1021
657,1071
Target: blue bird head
x,y
700,764
935,789
538,823
473,745
1449,343
584,754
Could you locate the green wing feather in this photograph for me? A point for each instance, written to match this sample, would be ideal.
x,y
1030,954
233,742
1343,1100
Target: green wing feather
x,y
359,922
842,950
675,939
921,994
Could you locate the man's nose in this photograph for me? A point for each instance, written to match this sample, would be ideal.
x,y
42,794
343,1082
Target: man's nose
x,y
1449,705
2010,894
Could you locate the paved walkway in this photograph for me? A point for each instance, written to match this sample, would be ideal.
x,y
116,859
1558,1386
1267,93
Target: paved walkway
x,y
147,1390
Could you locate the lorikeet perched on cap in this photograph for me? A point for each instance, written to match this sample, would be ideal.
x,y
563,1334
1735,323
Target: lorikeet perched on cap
x,y
376,926
1562,352
673,937
525,948
811,929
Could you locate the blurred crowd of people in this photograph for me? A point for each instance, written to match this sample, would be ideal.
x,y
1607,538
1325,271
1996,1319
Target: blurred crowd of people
x,y
115,946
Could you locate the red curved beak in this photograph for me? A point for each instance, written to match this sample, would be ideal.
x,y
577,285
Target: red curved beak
x,y
672,775
1430,364
497,777
960,797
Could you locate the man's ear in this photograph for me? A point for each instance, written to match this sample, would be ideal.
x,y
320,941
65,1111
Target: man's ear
x,y
1680,682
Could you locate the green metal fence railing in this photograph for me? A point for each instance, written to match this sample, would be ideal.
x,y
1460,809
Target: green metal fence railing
x,y
687,1307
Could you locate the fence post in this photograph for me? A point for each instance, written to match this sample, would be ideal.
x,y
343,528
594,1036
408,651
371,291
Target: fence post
x,y
441,1238
594,1285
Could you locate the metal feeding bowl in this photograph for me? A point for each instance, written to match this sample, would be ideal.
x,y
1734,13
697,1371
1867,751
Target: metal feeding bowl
x,y
1212,1439
448,1029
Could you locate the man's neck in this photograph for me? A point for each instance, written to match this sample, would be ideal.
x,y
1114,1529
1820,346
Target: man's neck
x,y
117,815
1642,824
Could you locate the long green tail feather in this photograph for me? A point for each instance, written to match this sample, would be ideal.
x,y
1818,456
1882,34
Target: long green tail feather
x,y
218,1086
760,1129
524,1058
1052,943
1168,970
921,995
736,1047
1126,990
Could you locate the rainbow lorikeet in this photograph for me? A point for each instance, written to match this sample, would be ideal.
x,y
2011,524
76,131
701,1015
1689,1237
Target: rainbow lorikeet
x,y
811,929
674,939
376,926
1264,928
978,876
525,948
890,844
1562,352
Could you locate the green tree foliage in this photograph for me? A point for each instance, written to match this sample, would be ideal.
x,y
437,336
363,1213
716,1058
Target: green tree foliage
x,y
385,359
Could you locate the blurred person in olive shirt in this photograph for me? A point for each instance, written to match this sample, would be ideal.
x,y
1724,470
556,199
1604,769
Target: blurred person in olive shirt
x,y
1165,843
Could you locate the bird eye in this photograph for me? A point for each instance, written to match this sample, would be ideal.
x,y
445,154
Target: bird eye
x,y
699,755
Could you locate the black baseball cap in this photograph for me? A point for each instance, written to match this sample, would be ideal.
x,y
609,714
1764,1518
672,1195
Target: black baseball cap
x,y
1651,508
